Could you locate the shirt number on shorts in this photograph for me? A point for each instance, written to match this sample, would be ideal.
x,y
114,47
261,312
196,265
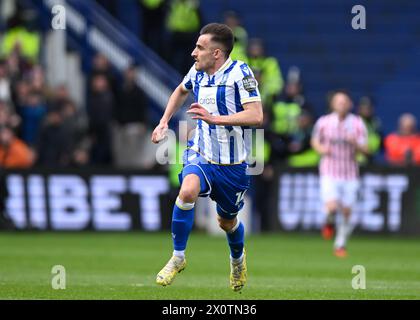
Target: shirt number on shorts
x,y
239,197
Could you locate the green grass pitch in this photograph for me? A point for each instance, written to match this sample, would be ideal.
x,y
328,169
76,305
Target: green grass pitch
x,y
280,266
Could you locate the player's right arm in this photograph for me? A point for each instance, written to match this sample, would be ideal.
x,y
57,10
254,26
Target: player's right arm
x,y
319,147
176,100
316,143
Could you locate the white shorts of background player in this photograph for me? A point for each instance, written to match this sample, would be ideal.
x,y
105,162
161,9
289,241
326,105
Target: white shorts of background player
x,y
344,192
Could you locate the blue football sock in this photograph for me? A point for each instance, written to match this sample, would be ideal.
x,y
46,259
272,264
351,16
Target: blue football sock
x,y
182,222
236,240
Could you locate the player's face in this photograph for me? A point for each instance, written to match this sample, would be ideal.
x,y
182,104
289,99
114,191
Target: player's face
x,y
204,53
341,104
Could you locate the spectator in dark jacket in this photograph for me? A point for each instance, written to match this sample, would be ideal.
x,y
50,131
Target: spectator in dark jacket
x,y
102,66
53,142
60,137
131,118
100,111
59,98
132,102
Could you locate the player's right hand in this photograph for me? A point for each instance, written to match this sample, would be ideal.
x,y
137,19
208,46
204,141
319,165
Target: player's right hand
x,y
325,150
159,133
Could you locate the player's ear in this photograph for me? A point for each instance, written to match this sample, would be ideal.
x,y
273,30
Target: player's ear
x,y
218,53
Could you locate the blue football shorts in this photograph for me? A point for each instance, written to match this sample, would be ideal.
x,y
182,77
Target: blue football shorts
x,y
225,184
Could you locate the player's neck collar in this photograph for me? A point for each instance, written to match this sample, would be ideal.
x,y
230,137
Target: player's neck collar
x,y
337,116
224,66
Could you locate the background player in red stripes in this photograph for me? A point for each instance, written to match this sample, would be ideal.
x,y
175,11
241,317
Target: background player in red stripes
x,y
338,137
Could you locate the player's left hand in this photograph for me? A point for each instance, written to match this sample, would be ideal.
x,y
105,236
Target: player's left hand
x,y
352,140
363,148
199,112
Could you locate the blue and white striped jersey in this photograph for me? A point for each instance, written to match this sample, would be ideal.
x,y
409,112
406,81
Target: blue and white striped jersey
x,y
223,93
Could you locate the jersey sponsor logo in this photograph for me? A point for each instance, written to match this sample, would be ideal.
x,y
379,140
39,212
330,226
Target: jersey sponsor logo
x,y
250,84
207,101
339,141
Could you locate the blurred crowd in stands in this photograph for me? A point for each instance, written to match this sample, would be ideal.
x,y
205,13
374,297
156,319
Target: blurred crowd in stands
x,y
41,125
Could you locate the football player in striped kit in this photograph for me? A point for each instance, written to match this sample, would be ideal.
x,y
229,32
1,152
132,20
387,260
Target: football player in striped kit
x,y
338,137
227,103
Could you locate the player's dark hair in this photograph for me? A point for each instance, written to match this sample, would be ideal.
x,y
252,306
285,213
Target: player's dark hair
x,y
220,33
341,91
332,94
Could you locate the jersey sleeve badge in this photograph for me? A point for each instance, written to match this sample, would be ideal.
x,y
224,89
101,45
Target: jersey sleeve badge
x,y
250,84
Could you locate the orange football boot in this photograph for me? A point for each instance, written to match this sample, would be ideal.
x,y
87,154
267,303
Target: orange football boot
x,y
340,252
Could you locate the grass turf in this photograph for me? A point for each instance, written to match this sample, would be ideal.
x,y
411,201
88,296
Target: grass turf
x,y
280,266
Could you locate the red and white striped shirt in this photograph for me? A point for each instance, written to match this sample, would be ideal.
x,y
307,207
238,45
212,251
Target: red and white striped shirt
x,y
340,162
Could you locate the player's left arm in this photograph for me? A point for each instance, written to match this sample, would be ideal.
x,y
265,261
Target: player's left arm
x,y
362,148
360,140
252,115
